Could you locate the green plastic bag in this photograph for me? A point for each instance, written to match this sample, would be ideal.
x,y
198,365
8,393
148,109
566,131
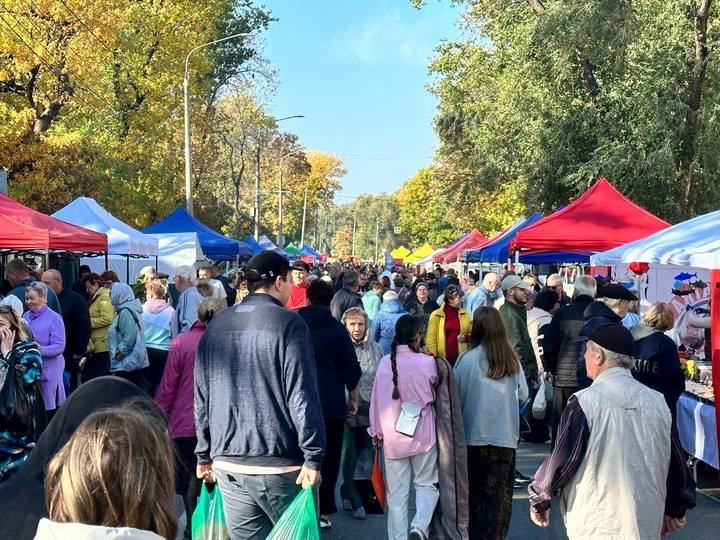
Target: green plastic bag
x,y
208,520
299,521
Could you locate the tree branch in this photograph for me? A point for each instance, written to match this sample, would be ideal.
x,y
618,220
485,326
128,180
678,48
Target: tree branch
x,y
537,5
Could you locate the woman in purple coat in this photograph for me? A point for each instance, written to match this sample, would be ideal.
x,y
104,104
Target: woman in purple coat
x,y
49,333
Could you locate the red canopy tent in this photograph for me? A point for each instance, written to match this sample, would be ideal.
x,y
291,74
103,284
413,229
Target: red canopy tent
x,y
473,240
601,219
19,236
58,235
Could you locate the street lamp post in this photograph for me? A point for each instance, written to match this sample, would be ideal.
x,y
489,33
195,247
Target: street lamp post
x,y
280,239
186,95
377,235
302,230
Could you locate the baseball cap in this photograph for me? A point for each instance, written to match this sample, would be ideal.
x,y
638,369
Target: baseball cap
x,y
613,337
615,291
301,265
514,281
266,265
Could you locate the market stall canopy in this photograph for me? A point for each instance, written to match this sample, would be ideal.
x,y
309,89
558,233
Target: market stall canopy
x,y
419,253
19,236
214,245
437,256
473,240
250,241
62,236
309,251
601,219
496,250
400,253
693,243
268,245
122,238
292,250
174,249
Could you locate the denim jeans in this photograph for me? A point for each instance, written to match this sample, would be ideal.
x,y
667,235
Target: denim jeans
x,y
254,503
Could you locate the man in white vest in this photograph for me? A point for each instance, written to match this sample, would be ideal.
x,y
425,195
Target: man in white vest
x,y
618,470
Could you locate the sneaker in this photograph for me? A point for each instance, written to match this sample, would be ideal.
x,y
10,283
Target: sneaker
x,y
325,523
518,484
347,505
521,478
360,514
416,534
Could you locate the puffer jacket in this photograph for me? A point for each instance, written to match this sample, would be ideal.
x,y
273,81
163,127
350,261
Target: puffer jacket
x,y
383,325
126,338
368,355
102,314
657,364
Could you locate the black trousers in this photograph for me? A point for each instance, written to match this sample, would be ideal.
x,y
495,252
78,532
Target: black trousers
x,y
96,365
334,433
491,477
158,359
561,394
186,482
139,377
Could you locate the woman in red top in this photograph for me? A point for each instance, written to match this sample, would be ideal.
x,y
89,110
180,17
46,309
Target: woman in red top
x,y
449,327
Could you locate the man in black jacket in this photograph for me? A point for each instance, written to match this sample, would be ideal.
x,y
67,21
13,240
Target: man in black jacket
x,y
257,410
560,346
347,297
76,316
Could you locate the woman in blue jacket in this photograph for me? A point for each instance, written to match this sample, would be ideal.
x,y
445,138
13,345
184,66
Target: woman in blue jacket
x,y
383,325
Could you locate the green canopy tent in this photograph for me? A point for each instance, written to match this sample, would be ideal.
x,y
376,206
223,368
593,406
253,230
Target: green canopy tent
x,y
292,250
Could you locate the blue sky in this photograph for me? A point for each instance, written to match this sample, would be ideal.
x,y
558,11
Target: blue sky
x,y
357,70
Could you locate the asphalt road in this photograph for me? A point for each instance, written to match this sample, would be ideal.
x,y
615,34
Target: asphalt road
x,y
703,521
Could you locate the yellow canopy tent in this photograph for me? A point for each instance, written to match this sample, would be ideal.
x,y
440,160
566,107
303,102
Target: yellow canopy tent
x,y
419,253
400,253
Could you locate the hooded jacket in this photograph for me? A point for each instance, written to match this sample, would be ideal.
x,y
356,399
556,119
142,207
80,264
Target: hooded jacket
x,y
102,314
383,325
157,318
657,364
337,365
368,355
126,338
343,300
371,303
597,314
51,530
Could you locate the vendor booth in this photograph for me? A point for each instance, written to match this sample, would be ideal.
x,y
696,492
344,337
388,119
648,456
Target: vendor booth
x,y
419,254
473,240
693,244
215,246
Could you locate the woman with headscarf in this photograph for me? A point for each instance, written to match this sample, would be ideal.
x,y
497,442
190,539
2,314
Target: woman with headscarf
x,y
420,305
126,339
49,333
23,495
20,359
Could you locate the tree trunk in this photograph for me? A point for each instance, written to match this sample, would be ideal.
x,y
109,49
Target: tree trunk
x,y
691,127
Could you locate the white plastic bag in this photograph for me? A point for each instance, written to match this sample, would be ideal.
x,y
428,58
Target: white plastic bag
x,y
539,407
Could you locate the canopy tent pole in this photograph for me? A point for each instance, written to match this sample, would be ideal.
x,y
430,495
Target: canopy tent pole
x,y
127,269
157,270
107,260
47,259
715,345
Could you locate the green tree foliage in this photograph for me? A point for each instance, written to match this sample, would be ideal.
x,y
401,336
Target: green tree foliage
x,y
542,97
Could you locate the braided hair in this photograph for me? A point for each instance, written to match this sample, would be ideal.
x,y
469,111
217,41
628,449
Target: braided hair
x,y
406,333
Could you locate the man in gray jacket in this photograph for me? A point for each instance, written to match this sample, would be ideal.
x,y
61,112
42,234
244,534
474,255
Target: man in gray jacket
x,y
258,417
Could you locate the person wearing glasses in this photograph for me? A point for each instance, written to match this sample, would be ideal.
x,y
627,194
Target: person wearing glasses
x,y
555,283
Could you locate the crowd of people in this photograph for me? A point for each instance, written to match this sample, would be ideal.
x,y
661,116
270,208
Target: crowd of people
x,y
283,376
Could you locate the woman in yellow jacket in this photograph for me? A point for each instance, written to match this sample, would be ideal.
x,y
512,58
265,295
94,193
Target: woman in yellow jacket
x,y
102,314
448,331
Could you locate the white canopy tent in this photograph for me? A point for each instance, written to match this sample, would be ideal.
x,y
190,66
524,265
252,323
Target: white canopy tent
x,y
122,238
176,249
692,243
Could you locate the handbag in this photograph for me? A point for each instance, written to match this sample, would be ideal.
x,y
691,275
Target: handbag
x,y
539,406
409,418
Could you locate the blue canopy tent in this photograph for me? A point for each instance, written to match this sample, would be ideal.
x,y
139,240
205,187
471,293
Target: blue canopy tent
x,y
310,252
497,251
250,241
267,244
214,245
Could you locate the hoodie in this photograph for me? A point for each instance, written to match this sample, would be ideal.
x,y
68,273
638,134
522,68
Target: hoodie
x,y
337,365
657,364
383,325
371,303
126,338
157,317
50,530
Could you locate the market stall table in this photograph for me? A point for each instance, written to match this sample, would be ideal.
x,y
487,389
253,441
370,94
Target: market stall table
x,y
696,423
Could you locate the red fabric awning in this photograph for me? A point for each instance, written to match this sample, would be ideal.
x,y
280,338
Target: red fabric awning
x,y
473,240
601,219
16,235
60,236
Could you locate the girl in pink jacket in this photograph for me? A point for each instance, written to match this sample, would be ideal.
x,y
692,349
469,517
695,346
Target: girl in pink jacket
x,y
405,386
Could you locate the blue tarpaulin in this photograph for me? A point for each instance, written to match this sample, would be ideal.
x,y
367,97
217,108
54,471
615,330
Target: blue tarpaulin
x,y
310,252
215,246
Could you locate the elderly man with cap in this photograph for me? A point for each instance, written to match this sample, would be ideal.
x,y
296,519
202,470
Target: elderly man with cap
x,y
616,466
612,304
514,315
299,285
258,416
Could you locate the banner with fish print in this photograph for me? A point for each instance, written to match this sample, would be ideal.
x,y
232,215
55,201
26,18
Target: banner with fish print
x,y
685,290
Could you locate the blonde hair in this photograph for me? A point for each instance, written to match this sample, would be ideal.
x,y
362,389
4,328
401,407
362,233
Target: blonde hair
x,y
659,316
155,289
16,323
117,470
210,307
